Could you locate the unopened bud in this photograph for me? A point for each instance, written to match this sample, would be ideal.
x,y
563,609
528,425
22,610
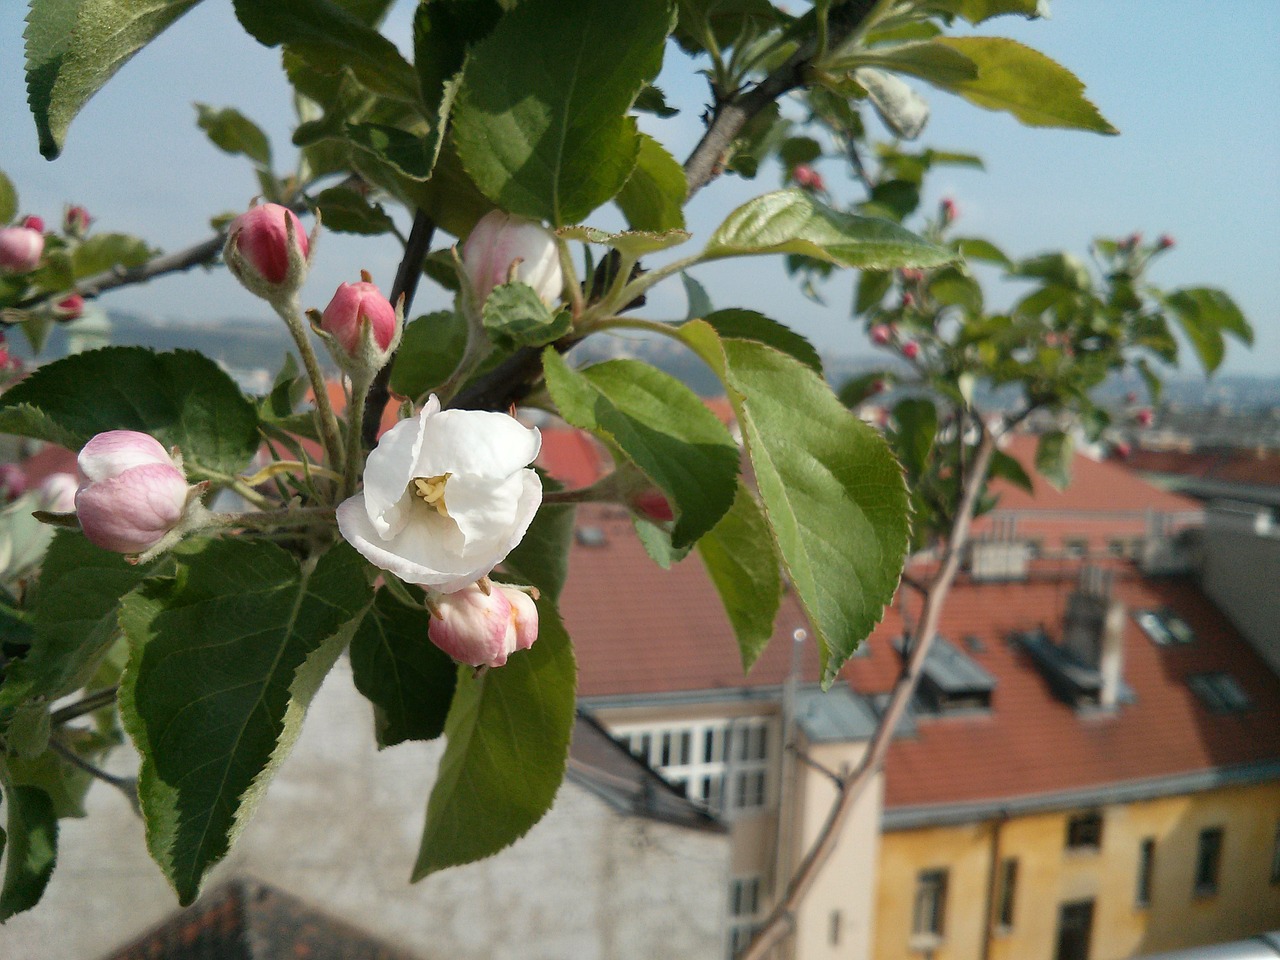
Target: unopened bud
x,y
908,300
911,275
132,494
653,505
1165,241
33,223
948,210
267,250
524,616
75,221
497,242
13,482
807,177
881,334
20,248
69,308
1144,417
911,349
58,493
362,324
483,629
1122,449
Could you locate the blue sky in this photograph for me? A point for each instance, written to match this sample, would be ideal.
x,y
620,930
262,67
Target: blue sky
x,y
1191,85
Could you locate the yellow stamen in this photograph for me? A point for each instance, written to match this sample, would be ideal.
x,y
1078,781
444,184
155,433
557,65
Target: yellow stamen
x,y
431,490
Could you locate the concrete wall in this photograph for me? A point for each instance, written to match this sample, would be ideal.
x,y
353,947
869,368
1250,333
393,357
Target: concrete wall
x,y
339,828
1049,875
1239,572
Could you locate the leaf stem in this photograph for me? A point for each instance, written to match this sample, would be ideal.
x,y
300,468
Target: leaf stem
x,y
126,785
89,703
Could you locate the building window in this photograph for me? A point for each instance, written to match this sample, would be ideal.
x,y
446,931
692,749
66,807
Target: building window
x,y
1219,692
744,912
722,764
1164,627
1075,547
1208,862
1275,856
930,906
1118,547
1084,831
1008,886
1075,930
1146,869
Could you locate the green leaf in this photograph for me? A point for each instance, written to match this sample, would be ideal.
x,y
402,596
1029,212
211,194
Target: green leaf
x,y
328,37
32,847
73,609
540,120
407,678
1063,269
8,200
831,490
515,316
1037,90
1053,458
404,152
743,565
234,133
65,784
903,110
75,46
976,11
872,286
916,426
541,559
346,211
661,426
181,398
699,302
656,539
952,286
975,248
750,325
106,251
1007,468
653,197
791,221
430,350
507,744
929,61
651,99
225,659
1204,315
634,243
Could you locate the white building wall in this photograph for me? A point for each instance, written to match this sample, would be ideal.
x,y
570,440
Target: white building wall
x,y
339,828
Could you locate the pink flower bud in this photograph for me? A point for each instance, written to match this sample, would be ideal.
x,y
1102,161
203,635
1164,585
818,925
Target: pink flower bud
x,y
524,616
1122,449
877,386
1165,241
75,221
132,493
807,177
13,482
58,493
497,241
949,211
881,334
908,300
653,505
20,249
258,250
1144,417
69,308
1131,397
911,349
911,275
474,628
33,223
354,306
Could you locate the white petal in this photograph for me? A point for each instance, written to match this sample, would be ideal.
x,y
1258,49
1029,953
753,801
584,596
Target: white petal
x,y
111,453
389,469
476,443
484,509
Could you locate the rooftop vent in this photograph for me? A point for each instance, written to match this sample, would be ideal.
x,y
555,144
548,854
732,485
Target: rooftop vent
x,y
590,536
951,680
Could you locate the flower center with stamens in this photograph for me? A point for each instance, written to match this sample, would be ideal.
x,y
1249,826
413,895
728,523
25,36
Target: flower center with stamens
x,y
431,490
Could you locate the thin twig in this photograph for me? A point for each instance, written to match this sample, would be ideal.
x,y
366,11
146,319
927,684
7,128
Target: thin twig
x,y
405,285
781,921
87,704
126,785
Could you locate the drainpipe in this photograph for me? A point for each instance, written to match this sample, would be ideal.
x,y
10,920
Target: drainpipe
x,y
788,810
993,881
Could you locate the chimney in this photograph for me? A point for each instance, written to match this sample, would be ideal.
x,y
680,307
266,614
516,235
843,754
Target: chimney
x,y
1111,657
1094,632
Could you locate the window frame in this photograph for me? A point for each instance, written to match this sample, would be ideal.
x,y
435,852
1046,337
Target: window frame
x,y
1146,873
741,925
1207,878
1006,904
931,887
1275,856
1090,822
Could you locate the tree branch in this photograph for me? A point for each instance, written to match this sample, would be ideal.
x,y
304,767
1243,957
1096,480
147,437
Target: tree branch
x,y
87,704
731,115
126,785
405,285
781,921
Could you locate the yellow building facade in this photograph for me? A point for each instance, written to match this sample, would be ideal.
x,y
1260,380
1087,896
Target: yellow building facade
x,y
1093,882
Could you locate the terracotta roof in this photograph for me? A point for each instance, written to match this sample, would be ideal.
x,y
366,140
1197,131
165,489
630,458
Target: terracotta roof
x,y
572,456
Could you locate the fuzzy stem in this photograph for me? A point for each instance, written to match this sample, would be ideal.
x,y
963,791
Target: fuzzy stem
x,y
355,418
270,520
291,313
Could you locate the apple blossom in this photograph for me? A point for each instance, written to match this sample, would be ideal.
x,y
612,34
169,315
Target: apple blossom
x,y
483,627
267,250
497,242
132,494
20,249
446,496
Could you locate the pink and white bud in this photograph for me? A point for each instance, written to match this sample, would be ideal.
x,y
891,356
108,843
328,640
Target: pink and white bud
x,y
1122,449
474,628
267,250
497,242
652,504
807,177
881,334
33,223
948,210
13,482
75,221
20,249
58,492
524,616
132,493
353,306
1144,417
69,308
911,349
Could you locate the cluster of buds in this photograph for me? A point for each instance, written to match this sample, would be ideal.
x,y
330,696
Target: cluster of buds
x,y
133,497
21,247
884,334
484,623
502,248
808,178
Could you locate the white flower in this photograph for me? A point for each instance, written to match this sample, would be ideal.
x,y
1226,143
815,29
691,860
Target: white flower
x,y
446,496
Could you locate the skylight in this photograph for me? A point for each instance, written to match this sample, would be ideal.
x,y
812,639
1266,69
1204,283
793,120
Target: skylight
x,y
1219,692
1164,627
